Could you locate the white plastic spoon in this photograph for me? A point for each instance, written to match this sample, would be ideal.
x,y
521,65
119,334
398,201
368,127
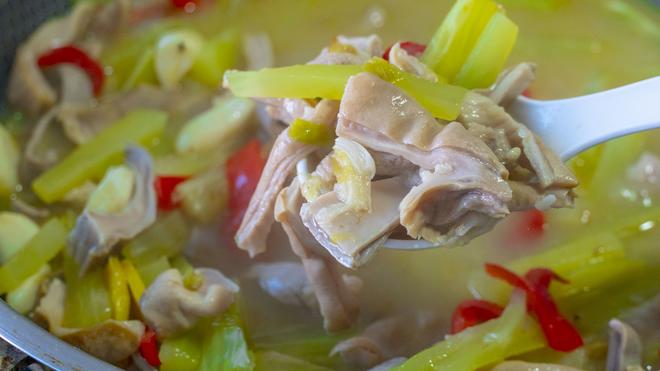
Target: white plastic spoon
x,y
570,126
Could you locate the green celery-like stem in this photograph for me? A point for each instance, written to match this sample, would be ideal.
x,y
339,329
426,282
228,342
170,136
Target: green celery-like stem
x,y
224,346
308,345
87,298
308,81
150,270
183,352
218,54
441,100
574,261
491,342
453,41
490,53
91,159
166,238
38,251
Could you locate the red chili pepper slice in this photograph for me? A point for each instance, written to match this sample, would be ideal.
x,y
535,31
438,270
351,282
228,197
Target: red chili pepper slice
x,y
473,312
182,4
149,347
560,334
165,186
528,93
243,172
413,48
72,55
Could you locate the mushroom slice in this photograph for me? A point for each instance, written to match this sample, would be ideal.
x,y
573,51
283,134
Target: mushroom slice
x,y
624,351
173,303
112,341
96,234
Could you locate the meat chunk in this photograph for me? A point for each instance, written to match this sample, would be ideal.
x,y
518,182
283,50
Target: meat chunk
x,y
545,168
381,117
458,201
335,292
112,341
399,336
28,88
87,26
95,235
352,236
169,306
284,156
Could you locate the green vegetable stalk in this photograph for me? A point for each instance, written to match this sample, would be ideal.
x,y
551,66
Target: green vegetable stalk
x,y
44,246
441,100
150,270
15,231
87,298
91,159
308,81
24,297
224,346
165,238
491,342
218,54
183,352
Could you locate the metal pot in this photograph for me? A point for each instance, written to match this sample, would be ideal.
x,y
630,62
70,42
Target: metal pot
x,y
18,19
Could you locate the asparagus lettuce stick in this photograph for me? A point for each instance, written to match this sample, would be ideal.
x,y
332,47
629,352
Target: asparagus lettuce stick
x,y
8,162
224,346
15,231
490,53
166,238
218,54
301,81
493,341
91,159
183,352
87,298
442,100
47,243
457,35
24,297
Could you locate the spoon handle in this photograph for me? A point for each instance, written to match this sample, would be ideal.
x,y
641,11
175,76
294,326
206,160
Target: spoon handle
x,y
570,126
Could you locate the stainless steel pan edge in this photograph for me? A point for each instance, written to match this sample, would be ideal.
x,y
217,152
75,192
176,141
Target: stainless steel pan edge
x,y
38,343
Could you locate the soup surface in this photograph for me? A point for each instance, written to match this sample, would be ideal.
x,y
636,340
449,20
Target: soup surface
x,y
579,47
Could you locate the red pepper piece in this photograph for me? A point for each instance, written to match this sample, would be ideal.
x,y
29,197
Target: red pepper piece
x,y
560,334
528,93
72,55
473,312
532,225
411,47
149,347
182,4
165,186
243,172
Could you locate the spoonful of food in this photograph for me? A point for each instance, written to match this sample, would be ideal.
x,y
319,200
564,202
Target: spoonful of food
x,y
570,126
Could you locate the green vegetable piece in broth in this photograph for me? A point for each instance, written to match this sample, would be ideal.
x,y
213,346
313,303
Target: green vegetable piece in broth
x,y
218,54
91,159
87,298
183,352
441,100
41,248
513,333
8,162
224,346
15,231
307,81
